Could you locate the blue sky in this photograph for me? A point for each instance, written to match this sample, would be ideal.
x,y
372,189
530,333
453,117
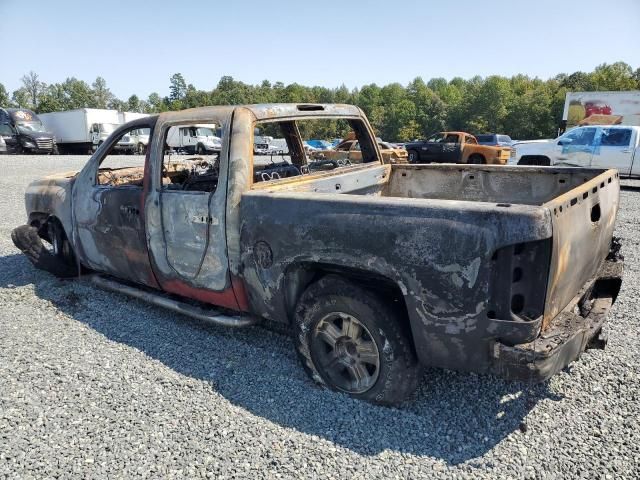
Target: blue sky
x,y
137,45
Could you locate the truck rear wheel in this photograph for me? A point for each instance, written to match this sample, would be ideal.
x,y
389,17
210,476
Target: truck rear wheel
x,y
351,341
413,156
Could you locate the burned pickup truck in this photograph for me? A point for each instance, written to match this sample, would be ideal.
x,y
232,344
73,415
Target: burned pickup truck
x,y
377,269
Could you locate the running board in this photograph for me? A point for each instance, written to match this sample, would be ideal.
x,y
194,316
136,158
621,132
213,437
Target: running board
x,y
210,316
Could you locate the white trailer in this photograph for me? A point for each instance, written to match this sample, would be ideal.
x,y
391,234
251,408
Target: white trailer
x,y
129,116
81,130
601,108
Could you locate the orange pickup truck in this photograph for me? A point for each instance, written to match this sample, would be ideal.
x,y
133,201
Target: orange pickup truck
x,y
455,147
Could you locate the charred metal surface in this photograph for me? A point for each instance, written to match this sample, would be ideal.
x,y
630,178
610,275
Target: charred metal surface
x,y
576,328
108,232
200,312
189,254
51,195
583,223
486,260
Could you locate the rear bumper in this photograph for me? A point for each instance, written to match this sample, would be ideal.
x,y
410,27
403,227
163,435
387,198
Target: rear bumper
x,y
578,327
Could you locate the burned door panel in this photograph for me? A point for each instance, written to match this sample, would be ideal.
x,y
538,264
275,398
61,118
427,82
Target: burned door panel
x,y
108,219
185,221
118,233
186,228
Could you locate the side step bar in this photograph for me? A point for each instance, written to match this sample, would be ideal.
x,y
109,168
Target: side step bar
x,y
160,300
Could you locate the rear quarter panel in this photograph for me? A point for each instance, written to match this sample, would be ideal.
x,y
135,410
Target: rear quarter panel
x,y
436,251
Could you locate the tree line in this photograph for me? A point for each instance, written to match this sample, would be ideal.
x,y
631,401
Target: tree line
x,y
519,106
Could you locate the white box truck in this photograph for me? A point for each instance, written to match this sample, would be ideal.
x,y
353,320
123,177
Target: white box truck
x,y
198,139
81,130
84,129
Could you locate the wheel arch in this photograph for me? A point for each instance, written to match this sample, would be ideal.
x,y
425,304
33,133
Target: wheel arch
x,y
478,155
299,276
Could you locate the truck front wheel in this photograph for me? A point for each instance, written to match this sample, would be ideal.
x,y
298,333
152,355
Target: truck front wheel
x,y
476,159
414,157
351,341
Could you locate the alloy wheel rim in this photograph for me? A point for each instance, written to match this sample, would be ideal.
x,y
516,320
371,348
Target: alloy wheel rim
x,y
346,353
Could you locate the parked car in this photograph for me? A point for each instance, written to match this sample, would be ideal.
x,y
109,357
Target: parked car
x,y
30,133
376,268
319,144
607,146
494,139
350,150
455,147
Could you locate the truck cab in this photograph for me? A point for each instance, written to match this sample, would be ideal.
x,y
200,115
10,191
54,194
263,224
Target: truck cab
x,y
31,136
455,147
198,138
99,132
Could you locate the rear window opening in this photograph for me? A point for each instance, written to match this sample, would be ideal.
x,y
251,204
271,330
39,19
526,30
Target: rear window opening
x,y
290,148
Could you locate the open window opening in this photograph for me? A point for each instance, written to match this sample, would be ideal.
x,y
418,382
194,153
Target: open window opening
x,y
291,148
191,158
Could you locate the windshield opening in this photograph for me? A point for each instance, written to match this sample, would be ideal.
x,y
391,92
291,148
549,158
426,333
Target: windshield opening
x,y
108,127
204,132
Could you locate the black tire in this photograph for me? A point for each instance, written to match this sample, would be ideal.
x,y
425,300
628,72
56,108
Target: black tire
x,y
199,149
333,301
476,159
58,260
537,160
414,157
141,150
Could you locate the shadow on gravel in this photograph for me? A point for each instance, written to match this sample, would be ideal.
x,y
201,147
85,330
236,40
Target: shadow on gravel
x,y
455,417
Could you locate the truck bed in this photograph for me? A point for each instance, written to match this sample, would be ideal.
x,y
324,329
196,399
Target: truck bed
x,y
453,238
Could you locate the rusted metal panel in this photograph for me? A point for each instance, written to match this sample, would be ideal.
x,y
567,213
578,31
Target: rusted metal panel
x,y
108,222
583,223
190,255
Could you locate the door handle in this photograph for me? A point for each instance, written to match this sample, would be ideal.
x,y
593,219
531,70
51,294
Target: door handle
x,y
626,150
129,210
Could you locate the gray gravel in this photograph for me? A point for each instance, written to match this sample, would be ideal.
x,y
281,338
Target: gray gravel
x,y
93,384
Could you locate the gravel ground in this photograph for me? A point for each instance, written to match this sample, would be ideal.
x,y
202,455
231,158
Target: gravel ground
x,y
94,384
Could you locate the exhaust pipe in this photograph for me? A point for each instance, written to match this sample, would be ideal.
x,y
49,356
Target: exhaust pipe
x,y
209,316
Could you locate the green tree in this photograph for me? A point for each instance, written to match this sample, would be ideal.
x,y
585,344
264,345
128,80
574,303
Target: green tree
x,y
177,88
21,98
156,104
53,99
133,104
33,87
4,96
101,94
616,76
